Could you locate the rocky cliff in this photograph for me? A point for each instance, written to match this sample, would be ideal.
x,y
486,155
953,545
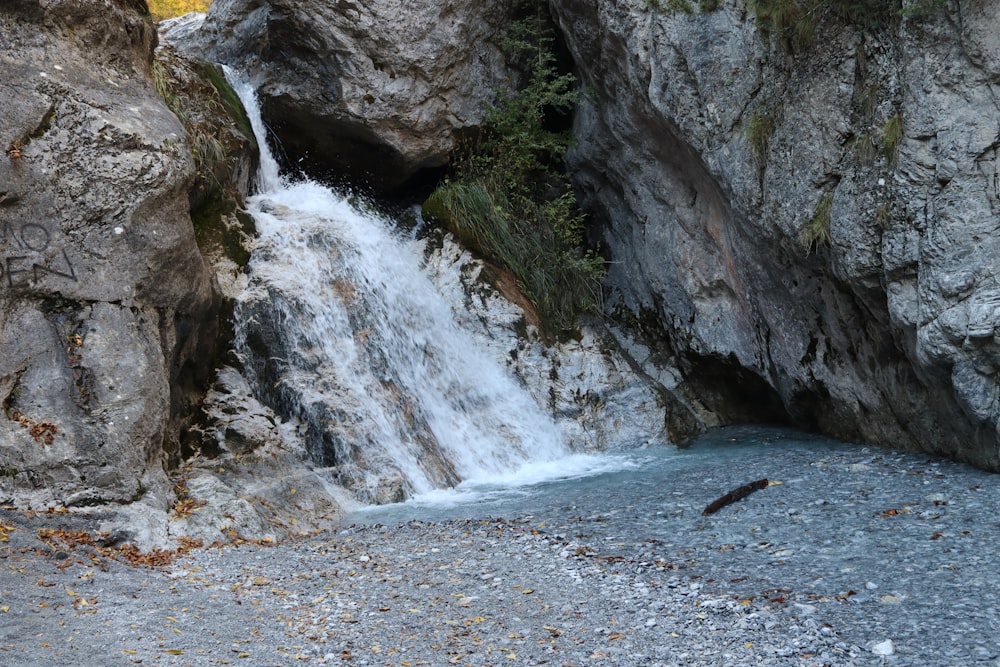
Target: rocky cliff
x,y
106,306
806,223
800,215
802,223
374,91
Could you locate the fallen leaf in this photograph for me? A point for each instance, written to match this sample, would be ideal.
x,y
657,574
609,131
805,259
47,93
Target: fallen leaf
x,y
616,636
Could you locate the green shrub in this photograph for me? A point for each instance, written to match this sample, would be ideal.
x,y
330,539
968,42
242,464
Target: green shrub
x,y
892,137
510,197
795,21
670,6
817,230
865,149
920,9
759,130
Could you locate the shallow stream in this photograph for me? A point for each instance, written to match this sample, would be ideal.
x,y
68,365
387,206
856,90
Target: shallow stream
x,y
898,546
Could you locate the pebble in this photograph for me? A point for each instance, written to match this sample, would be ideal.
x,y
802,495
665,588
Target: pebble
x,y
884,648
620,582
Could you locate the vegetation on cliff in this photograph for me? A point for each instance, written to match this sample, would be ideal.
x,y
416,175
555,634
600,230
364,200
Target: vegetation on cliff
x,y
510,197
795,21
221,141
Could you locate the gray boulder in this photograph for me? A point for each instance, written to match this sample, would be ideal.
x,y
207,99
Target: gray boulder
x,y
106,306
808,230
364,89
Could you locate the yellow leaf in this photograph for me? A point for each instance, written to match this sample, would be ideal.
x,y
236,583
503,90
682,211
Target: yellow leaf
x,y
174,651
527,591
4,609
748,645
615,636
130,651
171,619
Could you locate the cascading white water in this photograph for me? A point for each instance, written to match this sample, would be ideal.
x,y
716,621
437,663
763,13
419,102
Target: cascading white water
x,y
341,330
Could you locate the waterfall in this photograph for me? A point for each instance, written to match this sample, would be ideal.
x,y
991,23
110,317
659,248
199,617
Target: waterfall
x,y
341,331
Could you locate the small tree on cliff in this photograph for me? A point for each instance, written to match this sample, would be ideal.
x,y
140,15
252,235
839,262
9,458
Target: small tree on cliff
x,y
510,196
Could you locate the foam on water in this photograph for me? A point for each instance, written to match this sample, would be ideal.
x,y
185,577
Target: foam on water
x,y
376,356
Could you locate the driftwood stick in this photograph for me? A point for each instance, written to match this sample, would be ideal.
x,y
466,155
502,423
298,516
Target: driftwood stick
x,y
733,496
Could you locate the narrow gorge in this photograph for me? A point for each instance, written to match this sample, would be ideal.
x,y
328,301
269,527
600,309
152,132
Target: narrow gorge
x,y
799,229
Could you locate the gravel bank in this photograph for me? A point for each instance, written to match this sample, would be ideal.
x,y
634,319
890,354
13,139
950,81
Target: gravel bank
x,y
856,558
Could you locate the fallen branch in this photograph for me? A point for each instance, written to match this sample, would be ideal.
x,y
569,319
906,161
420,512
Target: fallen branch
x,y
733,496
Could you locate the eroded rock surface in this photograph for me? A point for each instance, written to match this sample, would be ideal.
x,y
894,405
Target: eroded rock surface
x,y
810,231
600,398
372,90
106,306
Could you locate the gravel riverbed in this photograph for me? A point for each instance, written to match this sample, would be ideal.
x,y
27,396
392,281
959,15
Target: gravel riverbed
x,y
852,556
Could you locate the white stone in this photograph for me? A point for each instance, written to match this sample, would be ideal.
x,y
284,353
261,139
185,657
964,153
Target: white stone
x,y
884,648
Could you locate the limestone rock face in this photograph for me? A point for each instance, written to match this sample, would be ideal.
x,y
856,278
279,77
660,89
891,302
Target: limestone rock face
x,y
105,302
368,89
809,231
598,397
252,479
